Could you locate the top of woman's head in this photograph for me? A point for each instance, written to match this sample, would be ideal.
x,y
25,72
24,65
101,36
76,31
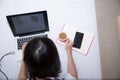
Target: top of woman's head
x,y
41,58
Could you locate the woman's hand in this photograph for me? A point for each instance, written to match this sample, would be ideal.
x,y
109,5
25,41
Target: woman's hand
x,y
23,48
68,46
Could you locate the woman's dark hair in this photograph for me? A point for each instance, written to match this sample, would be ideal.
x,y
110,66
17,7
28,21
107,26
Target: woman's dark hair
x,y
41,58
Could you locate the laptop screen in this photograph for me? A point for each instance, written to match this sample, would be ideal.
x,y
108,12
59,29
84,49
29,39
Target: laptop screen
x,y
28,23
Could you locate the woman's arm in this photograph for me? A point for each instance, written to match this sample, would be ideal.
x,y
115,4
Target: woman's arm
x,y
23,74
71,64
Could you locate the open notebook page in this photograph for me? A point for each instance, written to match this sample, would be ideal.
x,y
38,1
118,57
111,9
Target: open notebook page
x,y
86,42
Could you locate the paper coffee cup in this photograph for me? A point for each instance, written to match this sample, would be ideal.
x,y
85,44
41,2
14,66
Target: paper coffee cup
x,y
62,36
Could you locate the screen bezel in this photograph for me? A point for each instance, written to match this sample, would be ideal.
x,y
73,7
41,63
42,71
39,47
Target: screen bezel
x,y
9,18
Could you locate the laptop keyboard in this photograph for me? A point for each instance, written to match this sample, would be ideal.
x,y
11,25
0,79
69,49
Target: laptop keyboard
x,y
20,41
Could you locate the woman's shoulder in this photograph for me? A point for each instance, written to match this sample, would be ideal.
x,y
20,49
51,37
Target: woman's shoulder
x,y
66,76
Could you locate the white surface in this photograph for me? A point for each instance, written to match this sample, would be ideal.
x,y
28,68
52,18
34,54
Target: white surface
x,y
77,12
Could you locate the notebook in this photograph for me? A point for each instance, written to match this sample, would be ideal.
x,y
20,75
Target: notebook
x,y
28,25
82,39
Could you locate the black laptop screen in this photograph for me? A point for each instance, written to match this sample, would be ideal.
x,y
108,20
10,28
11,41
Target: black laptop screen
x,y
28,23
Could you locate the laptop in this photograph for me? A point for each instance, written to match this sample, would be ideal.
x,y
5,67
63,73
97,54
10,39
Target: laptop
x,y
27,26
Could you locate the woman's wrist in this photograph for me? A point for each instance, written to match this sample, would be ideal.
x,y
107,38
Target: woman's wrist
x,y
69,52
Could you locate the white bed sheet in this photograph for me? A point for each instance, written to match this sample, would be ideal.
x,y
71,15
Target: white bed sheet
x,y
80,13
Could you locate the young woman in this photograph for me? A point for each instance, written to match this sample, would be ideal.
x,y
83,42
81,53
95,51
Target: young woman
x,y
41,61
